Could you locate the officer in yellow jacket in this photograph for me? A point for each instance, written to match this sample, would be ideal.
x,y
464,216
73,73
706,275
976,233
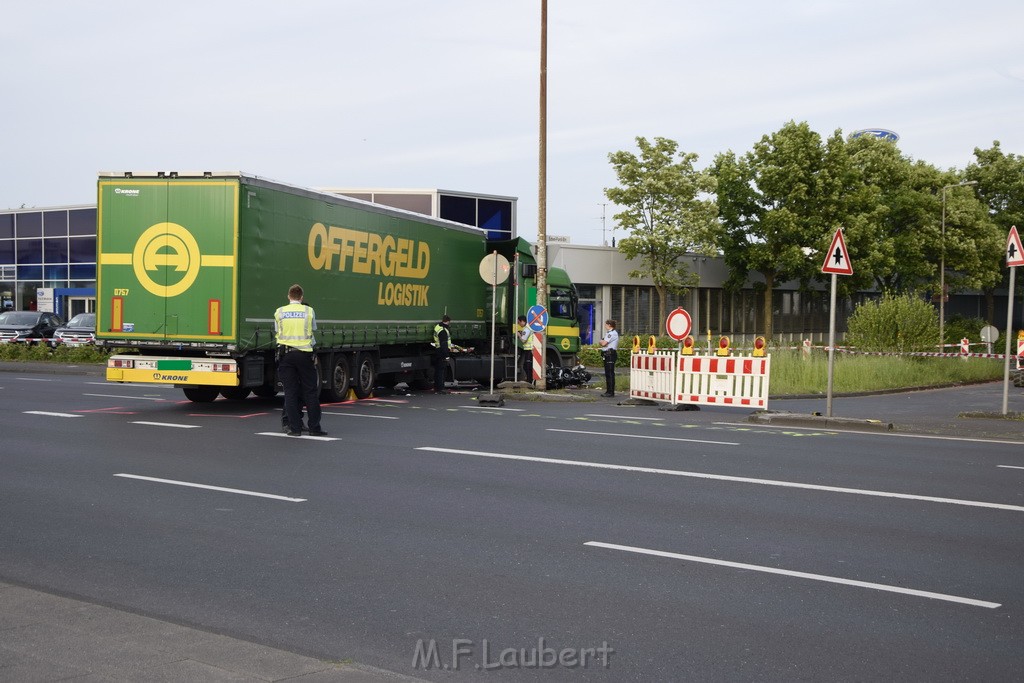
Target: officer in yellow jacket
x,y
526,337
442,351
294,325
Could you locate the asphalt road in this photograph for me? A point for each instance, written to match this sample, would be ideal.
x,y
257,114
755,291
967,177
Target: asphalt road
x,y
656,545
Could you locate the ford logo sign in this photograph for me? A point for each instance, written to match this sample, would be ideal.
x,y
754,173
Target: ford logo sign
x,y
880,133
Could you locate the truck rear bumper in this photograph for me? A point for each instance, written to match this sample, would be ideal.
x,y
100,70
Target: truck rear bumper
x,y
219,372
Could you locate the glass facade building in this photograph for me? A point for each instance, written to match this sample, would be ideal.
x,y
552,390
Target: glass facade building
x,y
48,248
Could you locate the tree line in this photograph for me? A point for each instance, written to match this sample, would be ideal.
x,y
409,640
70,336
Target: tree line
x,y
773,210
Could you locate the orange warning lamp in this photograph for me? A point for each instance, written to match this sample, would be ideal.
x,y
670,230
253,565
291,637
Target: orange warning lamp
x,y
759,346
652,344
723,346
688,345
636,343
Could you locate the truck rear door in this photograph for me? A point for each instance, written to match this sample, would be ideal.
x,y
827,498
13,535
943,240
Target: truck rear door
x,y
167,259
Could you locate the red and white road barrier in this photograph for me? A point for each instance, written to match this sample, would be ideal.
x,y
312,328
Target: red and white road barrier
x,y
653,376
740,382
667,376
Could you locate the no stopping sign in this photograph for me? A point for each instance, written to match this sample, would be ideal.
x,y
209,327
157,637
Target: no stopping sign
x,y
678,324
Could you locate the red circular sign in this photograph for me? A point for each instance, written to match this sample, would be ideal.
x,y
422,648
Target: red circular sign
x,y
678,324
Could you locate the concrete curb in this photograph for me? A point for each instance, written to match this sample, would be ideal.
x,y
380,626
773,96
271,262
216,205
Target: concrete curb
x,y
819,421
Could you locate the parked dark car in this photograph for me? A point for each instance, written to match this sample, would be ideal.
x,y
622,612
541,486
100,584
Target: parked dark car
x,y
79,331
27,326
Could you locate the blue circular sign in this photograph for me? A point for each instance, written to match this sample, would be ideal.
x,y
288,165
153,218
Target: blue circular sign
x,y
537,318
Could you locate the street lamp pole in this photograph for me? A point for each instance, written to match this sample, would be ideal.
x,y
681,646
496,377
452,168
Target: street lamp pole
x,y
942,266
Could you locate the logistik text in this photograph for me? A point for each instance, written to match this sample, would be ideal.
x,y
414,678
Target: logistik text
x,y
367,253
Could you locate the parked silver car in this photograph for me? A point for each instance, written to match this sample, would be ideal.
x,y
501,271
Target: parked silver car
x,y
79,331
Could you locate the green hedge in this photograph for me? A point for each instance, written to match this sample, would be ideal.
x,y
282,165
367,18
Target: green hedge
x,y
591,355
62,354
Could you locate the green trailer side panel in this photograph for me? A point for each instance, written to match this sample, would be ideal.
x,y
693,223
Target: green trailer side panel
x,y
374,277
167,260
207,260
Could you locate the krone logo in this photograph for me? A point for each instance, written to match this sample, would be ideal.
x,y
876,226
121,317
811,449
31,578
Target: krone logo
x,y
169,252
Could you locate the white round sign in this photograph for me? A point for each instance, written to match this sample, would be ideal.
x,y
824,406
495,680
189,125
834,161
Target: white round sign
x,y
494,268
678,324
989,334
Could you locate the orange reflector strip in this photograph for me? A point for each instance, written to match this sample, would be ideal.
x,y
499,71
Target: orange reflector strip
x,y
116,314
214,316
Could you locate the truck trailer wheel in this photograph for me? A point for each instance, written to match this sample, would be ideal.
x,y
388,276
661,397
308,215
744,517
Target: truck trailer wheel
x,y
365,377
201,394
235,393
338,380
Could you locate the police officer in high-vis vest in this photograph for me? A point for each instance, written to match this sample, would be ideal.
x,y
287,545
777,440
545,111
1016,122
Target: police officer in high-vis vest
x,y
442,351
526,337
294,325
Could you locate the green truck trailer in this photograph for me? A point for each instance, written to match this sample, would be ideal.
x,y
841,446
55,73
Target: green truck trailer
x,y
190,268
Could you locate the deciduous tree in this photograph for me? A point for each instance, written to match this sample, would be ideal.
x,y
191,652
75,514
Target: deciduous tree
x,y
668,210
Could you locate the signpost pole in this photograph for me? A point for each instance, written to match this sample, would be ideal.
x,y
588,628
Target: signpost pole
x,y
831,345
1009,329
837,262
494,295
1014,258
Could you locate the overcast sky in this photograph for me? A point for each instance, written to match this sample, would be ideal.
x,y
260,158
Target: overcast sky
x,y
444,93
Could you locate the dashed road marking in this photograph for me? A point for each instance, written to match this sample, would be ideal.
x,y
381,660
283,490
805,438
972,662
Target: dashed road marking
x,y
207,487
796,574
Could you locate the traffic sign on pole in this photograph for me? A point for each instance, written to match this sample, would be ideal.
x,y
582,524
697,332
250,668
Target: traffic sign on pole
x,y
1014,249
537,318
678,324
837,259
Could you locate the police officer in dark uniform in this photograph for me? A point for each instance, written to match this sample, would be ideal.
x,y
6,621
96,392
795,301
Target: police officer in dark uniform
x,y
294,325
442,351
610,352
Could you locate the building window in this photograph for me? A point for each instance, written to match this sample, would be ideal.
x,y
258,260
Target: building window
x,y
55,224
29,250
28,224
55,250
82,222
82,250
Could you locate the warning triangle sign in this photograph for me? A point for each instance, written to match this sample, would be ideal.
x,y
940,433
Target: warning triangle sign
x,y
837,259
1014,250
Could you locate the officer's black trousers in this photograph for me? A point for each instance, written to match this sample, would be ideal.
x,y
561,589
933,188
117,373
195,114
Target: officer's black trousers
x,y
301,383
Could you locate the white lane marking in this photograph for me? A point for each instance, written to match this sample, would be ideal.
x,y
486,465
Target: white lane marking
x,y
375,417
799,575
722,477
624,417
304,436
1011,467
137,398
35,379
644,436
44,412
512,410
211,488
935,437
165,424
